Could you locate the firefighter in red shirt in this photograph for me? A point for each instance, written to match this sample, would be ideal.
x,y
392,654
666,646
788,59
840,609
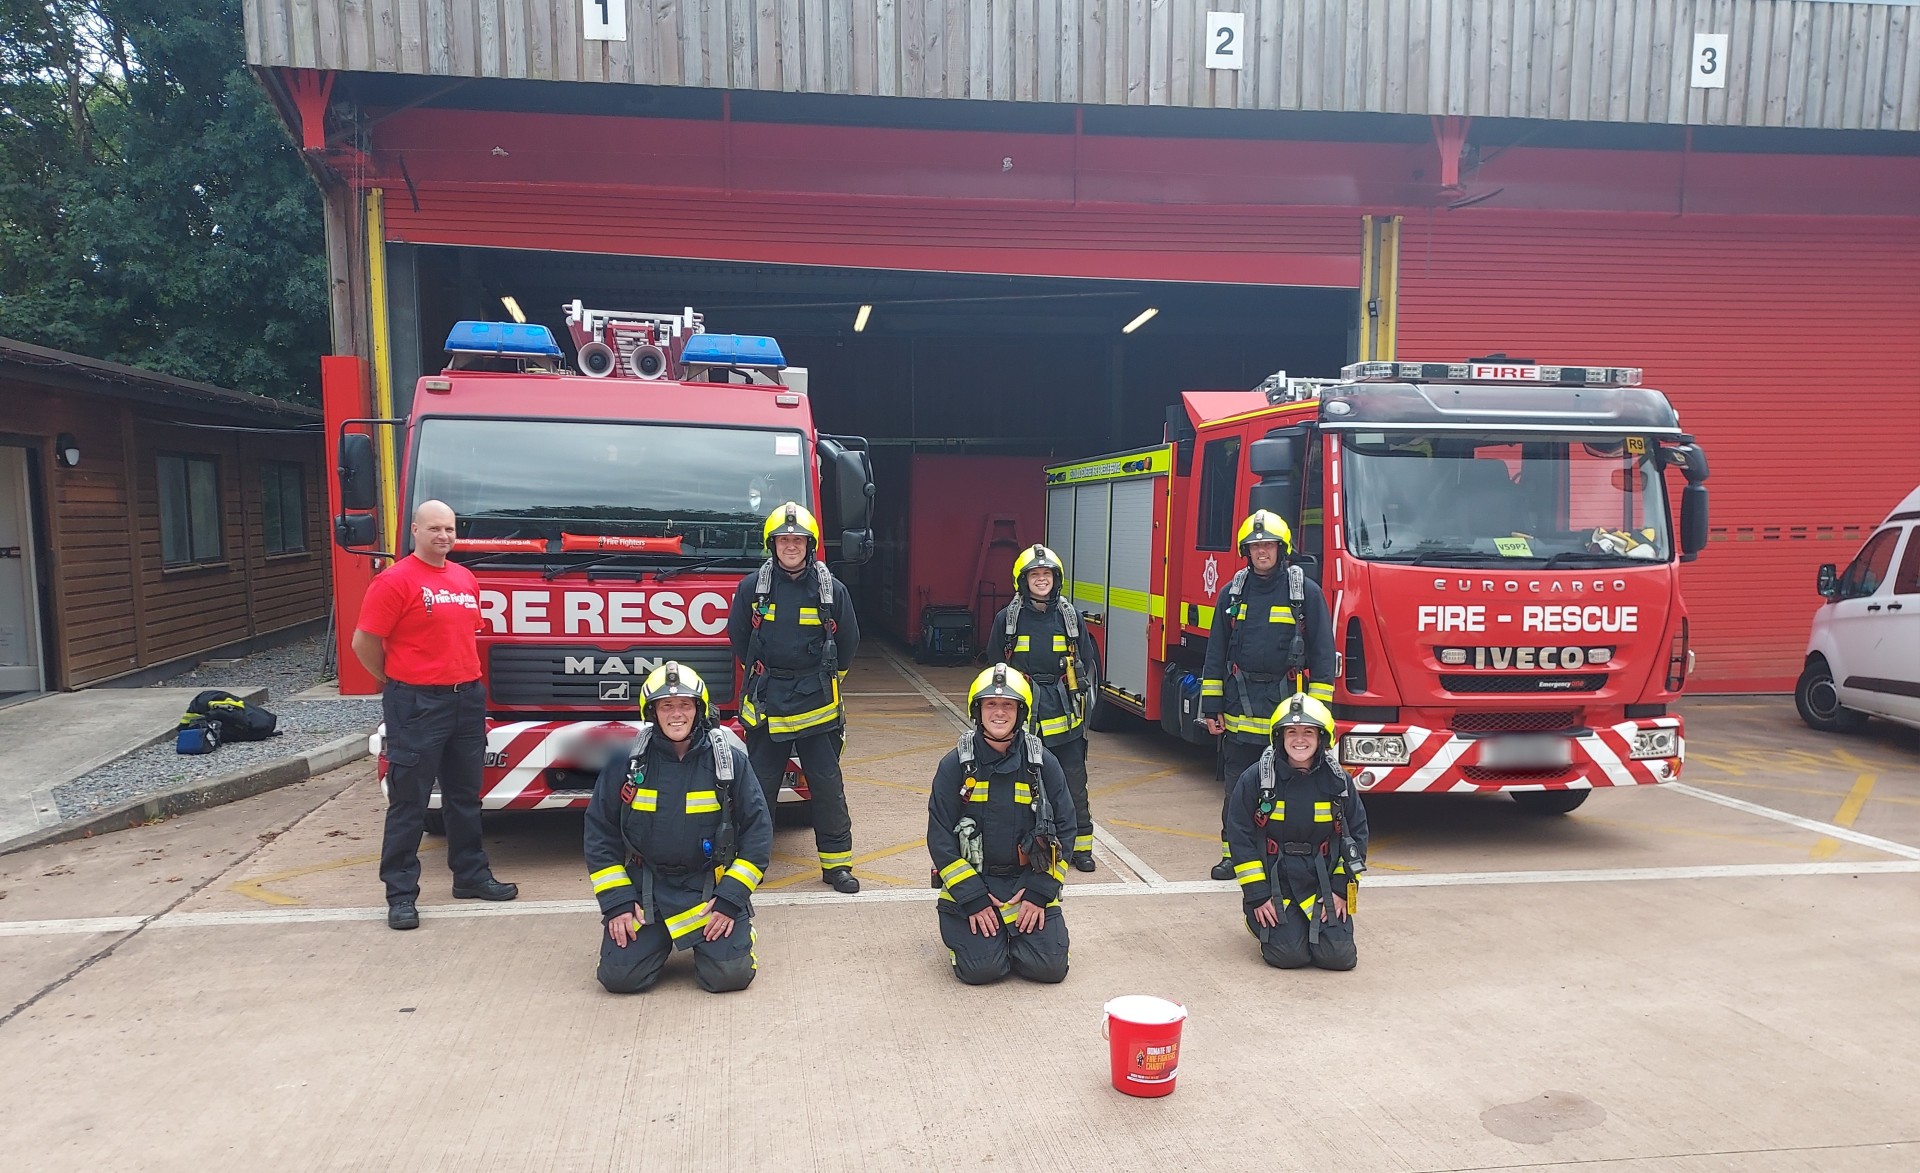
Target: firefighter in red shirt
x,y
416,635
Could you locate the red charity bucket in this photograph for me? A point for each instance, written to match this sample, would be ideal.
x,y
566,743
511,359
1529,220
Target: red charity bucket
x,y
1143,1037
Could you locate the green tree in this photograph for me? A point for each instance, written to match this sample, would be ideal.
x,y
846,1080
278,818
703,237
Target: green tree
x,y
152,209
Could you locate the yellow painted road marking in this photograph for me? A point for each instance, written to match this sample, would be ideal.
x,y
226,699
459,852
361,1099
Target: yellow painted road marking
x,y
1130,783
812,866
888,783
1688,833
1811,791
1848,812
256,888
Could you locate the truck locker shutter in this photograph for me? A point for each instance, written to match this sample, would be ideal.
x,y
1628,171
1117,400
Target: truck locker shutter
x,y
1129,585
1088,562
1787,345
1060,529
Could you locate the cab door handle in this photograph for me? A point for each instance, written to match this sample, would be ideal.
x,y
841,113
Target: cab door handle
x,y
1895,606
1873,606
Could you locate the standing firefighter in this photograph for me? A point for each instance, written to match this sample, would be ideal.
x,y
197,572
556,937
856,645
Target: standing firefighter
x,y
1269,625
994,818
794,630
678,837
1041,635
1298,836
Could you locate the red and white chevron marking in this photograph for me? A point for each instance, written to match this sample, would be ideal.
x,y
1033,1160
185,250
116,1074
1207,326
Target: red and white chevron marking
x,y
1440,759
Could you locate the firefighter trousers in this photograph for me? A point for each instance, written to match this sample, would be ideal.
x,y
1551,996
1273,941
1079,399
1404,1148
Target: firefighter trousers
x,y
719,966
1235,757
1287,945
1073,763
819,755
1039,956
432,736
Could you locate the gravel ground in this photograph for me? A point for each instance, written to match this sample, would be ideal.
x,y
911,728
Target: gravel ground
x,y
284,672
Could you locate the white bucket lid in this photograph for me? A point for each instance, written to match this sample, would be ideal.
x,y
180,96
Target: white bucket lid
x,y
1145,1009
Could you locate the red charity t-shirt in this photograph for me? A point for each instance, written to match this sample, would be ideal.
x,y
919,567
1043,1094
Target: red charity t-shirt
x,y
427,617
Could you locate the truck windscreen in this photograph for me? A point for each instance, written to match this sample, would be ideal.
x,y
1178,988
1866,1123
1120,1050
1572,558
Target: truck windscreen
x,y
711,487
1441,497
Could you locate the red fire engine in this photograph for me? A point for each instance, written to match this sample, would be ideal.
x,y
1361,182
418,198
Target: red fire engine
x,y
608,516
1494,540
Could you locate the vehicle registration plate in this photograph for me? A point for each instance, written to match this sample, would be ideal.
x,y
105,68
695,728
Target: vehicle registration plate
x,y
1525,752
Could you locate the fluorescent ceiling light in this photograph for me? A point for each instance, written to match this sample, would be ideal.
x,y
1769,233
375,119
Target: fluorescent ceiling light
x,y
513,309
1146,315
860,319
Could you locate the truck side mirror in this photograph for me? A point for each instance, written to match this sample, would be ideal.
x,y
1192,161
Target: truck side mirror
x,y
856,545
1693,521
1271,456
355,531
359,472
1828,581
846,475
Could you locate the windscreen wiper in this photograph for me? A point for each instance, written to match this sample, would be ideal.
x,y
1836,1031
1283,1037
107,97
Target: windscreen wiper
x,y
1566,556
554,572
688,567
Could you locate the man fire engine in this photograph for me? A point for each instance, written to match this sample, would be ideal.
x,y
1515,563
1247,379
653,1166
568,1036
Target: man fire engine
x,y
608,516
1494,539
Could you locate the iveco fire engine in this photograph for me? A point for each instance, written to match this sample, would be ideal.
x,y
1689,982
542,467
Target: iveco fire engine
x,y
1494,540
608,516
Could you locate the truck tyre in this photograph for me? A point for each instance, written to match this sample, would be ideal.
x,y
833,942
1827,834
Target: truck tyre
x,y
436,821
1549,802
1819,701
1103,716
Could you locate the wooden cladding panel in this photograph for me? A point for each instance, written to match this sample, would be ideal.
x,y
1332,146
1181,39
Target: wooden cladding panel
x,y
1806,63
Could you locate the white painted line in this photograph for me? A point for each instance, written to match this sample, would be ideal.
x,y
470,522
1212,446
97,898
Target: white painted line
x,y
285,916
1141,868
1831,830
934,696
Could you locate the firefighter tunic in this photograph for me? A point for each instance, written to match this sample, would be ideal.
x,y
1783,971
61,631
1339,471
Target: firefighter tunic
x,y
1250,656
790,691
995,792
651,833
1298,845
1040,649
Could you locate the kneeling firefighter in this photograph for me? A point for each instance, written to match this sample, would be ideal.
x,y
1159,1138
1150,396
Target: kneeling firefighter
x,y
678,837
1042,636
1298,836
994,820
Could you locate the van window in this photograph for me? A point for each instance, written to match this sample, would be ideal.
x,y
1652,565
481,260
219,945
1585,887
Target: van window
x,y
1869,568
1907,582
1219,475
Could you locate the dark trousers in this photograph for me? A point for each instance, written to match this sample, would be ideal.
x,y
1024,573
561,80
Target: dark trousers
x,y
1039,956
819,755
1235,758
719,966
432,736
1287,945
1073,763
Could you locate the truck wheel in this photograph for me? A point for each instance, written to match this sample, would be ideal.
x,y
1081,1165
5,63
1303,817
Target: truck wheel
x,y
1549,802
436,821
1103,716
1819,701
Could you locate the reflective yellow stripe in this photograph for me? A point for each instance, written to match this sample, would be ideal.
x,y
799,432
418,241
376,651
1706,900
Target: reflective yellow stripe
x,y
809,616
1064,723
1113,468
747,872
691,921
1280,809
798,722
1213,688
607,878
749,713
1009,913
1020,644
1248,873
1059,643
1121,599
1088,592
1306,904
1320,692
646,800
700,802
766,616
1157,607
1238,724
1323,812
978,792
1205,617
957,872
1083,843
1280,615
1059,870
1022,793
835,859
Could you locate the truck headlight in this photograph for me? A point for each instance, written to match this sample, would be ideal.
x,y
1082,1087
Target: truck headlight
x,y
1373,749
1656,743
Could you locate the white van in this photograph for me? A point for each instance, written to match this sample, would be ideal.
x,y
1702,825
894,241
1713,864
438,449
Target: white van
x,y
1863,658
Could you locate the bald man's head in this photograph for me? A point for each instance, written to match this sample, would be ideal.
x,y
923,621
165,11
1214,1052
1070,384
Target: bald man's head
x,y
433,532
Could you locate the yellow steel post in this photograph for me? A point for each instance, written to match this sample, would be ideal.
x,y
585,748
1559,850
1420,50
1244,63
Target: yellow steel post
x,y
1388,344
1367,287
382,364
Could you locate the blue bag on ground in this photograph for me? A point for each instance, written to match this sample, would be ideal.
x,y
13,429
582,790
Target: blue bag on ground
x,y
196,735
238,720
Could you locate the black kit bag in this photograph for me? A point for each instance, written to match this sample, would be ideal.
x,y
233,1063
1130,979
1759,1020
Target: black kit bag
x,y
238,720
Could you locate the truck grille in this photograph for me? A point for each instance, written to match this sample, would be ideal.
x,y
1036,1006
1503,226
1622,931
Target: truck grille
x,y
1516,722
1459,682
1483,774
527,676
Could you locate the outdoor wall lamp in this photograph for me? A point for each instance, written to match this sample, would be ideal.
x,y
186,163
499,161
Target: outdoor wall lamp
x,y
66,450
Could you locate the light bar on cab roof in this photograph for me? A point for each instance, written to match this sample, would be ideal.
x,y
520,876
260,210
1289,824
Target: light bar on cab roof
x,y
502,338
1490,372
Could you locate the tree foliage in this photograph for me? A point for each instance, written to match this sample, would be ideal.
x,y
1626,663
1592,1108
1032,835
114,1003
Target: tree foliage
x,y
152,210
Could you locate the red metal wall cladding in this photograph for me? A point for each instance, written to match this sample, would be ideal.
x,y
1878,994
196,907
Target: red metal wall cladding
x,y
1790,347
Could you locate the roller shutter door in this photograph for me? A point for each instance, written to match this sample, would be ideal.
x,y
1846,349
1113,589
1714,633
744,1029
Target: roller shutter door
x,y
1789,348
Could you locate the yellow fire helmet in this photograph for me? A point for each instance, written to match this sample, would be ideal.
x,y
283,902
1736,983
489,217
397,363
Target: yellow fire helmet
x,y
790,518
1038,557
674,679
1264,525
1000,680
1301,709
